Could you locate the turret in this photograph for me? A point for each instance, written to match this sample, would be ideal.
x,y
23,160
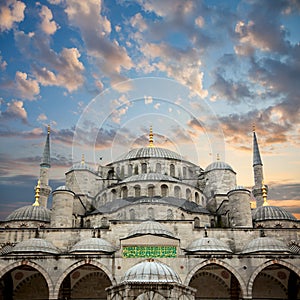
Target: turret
x,y
62,208
45,165
239,207
258,173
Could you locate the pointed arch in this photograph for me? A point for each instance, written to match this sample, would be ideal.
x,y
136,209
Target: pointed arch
x,y
222,264
265,265
78,265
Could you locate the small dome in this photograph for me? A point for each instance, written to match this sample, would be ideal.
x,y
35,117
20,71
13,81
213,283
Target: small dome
x,y
35,245
265,213
150,177
93,245
218,165
150,227
30,213
208,244
82,166
150,152
265,244
62,188
151,271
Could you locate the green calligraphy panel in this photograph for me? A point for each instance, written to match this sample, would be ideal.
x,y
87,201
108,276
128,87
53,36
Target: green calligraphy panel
x,y
149,251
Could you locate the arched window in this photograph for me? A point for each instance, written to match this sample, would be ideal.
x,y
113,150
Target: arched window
x,y
177,191
150,213
164,190
196,222
144,168
184,172
170,215
88,223
172,170
197,199
132,214
122,172
104,222
124,192
113,194
137,191
110,174
151,190
130,170
136,169
158,168
188,194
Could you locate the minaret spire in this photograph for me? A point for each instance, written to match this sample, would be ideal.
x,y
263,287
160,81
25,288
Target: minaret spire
x,y
44,188
258,191
151,145
46,154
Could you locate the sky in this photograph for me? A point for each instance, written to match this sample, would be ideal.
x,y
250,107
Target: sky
x,y
201,73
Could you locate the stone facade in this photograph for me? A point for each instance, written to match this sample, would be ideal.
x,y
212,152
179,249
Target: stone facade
x,y
150,226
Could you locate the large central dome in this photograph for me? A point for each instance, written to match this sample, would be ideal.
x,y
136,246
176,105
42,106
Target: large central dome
x,y
150,152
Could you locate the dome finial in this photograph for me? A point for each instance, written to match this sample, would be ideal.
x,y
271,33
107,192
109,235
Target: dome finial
x,y
218,156
82,159
264,194
151,138
37,194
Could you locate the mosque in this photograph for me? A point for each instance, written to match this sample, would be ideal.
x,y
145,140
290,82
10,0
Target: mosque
x,y
150,226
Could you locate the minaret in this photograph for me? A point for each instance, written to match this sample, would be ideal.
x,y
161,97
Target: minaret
x,y
45,189
258,173
151,145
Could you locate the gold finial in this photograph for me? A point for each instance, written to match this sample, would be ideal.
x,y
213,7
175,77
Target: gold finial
x,y
82,159
151,138
253,127
218,156
264,194
37,194
48,129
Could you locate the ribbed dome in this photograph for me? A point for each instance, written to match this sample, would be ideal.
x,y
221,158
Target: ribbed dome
x,y
208,244
30,213
147,152
265,244
150,227
150,177
35,245
82,166
93,245
151,271
218,165
264,213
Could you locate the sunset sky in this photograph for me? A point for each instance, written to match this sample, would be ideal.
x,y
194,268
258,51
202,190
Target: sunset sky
x,y
102,72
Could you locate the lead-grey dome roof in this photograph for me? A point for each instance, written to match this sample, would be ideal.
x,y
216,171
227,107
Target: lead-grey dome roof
x,y
35,245
150,177
150,227
150,152
218,165
208,244
151,271
93,245
30,213
265,244
264,213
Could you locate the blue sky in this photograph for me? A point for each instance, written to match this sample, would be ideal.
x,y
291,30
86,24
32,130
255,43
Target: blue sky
x,y
200,72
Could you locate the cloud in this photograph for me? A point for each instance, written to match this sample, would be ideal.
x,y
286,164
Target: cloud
x,y
15,110
11,11
41,117
3,63
48,25
27,88
95,29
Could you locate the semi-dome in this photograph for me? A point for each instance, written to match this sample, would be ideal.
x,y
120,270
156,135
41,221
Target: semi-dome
x,y
93,245
265,244
35,245
208,244
218,165
150,227
30,213
150,152
150,177
151,271
265,213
